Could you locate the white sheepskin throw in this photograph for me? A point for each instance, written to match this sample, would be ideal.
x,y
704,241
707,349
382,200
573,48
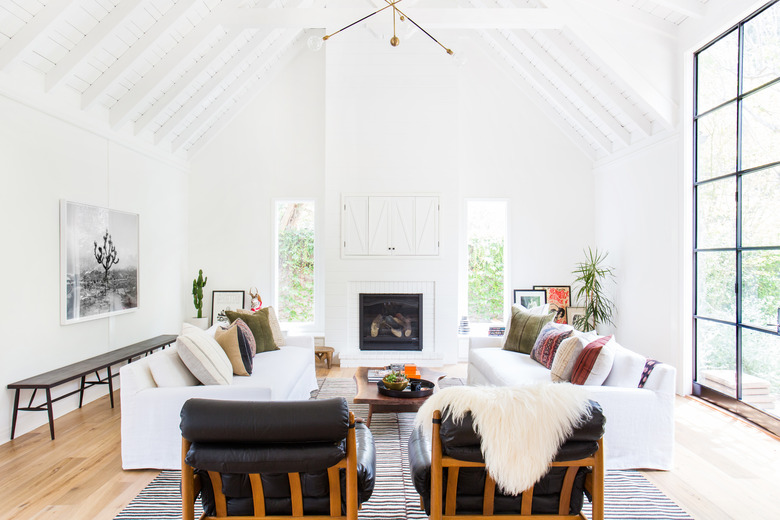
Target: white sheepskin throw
x,y
522,427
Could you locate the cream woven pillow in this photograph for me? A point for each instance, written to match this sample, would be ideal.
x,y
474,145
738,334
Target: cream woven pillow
x,y
565,357
203,356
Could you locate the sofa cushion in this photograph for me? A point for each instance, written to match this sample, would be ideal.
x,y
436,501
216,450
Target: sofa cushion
x,y
524,328
279,370
567,354
203,356
260,326
626,368
502,367
594,362
548,341
168,370
234,342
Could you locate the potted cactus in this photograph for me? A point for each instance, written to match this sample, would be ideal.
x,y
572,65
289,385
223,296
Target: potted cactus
x,y
197,297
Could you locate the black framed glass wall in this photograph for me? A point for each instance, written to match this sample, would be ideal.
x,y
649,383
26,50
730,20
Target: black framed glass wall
x,y
736,201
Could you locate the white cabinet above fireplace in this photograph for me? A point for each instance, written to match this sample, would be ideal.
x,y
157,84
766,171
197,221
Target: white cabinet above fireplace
x,y
385,225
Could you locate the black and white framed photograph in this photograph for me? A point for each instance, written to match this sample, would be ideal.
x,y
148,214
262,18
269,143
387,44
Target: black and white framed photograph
x,y
222,301
573,312
98,262
529,298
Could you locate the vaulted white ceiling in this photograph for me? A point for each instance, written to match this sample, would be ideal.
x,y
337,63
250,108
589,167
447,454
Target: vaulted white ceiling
x,y
172,73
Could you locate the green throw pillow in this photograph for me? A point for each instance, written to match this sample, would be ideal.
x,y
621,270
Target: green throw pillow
x,y
524,328
260,327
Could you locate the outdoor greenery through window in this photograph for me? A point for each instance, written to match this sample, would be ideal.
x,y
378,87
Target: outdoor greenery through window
x,y
486,239
737,212
295,261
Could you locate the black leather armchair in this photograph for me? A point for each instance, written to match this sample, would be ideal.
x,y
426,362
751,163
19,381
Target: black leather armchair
x,y
303,459
448,471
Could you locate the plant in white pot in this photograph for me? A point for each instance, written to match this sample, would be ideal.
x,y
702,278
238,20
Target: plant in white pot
x,y
591,277
197,296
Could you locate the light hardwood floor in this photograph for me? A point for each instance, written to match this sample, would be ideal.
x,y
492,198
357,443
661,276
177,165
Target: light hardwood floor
x,y
724,467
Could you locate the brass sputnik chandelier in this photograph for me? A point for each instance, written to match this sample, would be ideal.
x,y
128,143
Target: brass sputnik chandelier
x,y
397,14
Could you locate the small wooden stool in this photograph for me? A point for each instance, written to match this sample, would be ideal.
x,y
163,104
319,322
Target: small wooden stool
x,y
324,353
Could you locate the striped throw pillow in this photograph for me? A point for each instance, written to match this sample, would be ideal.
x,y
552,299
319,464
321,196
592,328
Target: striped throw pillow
x,y
548,342
203,356
594,362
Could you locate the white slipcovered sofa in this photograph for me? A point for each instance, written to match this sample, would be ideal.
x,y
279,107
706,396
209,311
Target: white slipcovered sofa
x,y
150,414
640,421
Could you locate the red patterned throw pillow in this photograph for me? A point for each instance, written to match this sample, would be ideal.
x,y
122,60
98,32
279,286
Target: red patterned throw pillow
x,y
594,363
547,343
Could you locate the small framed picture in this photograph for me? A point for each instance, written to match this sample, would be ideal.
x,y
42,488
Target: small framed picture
x,y
572,312
559,298
530,297
222,301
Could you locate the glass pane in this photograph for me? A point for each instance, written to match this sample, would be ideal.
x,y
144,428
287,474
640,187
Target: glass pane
x,y
761,60
715,296
295,222
716,143
716,356
761,370
760,128
717,73
717,214
761,208
761,288
486,238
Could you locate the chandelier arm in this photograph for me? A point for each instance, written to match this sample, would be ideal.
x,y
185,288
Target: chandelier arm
x,y
389,4
449,51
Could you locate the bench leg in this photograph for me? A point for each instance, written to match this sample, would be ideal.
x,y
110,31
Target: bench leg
x,y
81,390
110,386
50,409
16,412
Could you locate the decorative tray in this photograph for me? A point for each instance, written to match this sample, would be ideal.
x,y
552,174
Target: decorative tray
x,y
425,389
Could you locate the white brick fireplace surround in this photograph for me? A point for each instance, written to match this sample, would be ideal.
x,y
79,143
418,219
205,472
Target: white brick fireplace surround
x,y
352,356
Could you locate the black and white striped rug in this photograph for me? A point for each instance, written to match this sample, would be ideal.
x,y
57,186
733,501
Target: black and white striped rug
x,y
628,495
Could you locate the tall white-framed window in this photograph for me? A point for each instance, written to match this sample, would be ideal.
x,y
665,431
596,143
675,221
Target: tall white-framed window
x,y
296,278
487,246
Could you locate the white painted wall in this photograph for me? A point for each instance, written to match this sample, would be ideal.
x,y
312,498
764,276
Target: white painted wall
x,y
45,160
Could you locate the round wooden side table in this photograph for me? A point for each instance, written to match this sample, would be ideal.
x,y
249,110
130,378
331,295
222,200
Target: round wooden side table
x,y
324,353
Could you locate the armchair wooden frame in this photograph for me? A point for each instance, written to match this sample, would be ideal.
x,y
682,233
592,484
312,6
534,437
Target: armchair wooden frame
x,y
191,486
594,483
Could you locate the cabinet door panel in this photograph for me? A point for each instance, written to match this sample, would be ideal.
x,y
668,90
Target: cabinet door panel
x,y
402,226
427,225
379,226
355,241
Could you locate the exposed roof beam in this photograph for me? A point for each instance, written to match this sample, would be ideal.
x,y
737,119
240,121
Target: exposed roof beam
x,y
182,83
536,98
265,61
631,15
32,31
289,55
598,79
550,91
122,109
116,69
692,8
224,72
562,76
444,18
88,43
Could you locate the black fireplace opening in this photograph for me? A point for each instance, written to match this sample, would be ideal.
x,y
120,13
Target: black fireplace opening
x,y
390,322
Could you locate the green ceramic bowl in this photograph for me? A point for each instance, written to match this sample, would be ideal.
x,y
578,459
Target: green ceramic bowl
x,y
397,385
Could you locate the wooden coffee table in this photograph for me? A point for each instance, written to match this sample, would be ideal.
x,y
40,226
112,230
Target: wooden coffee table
x,y
368,393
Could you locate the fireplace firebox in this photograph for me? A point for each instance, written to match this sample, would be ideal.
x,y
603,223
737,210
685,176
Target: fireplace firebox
x,y
390,322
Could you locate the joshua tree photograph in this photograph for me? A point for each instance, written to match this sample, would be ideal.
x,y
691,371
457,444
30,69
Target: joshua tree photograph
x,y
99,249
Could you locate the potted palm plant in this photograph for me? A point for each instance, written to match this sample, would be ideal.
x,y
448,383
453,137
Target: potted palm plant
x,y
591,276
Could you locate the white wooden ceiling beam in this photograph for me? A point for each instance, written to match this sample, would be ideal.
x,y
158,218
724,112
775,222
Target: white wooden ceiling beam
x,y
631,16
597,78
443,18
123,109
120,66
224,72
692,8
559,75
261,63
90,41
32,31
536,98
545,85
288,56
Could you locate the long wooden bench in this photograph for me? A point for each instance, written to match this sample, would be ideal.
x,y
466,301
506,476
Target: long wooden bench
x,y
82,369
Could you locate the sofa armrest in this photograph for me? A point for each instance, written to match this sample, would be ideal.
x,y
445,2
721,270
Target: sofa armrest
x,y
476,342
662,379
302,341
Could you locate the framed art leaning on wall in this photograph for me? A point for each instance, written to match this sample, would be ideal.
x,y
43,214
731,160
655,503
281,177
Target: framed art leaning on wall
x,y
98,262
222,301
